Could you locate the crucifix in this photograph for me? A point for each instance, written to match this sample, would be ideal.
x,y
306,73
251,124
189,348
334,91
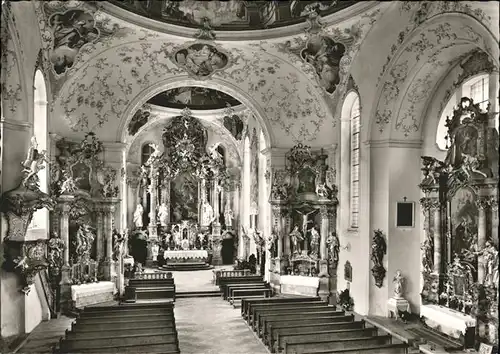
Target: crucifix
x,y
305,222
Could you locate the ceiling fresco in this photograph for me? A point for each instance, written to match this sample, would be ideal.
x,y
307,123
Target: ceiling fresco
x,y
232,14
195,98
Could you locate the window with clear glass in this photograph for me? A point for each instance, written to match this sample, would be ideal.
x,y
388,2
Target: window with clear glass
x,y
354,175
147,150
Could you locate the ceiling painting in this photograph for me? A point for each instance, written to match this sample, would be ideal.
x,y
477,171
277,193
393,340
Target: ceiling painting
x,y
195,98
232,14
201,59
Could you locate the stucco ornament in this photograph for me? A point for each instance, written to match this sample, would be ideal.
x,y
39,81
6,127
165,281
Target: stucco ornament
x,y
201,59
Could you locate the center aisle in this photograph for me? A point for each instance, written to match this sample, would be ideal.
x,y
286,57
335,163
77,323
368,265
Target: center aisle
x,y
212,326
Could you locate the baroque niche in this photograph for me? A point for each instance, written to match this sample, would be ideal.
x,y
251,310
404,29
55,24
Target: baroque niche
x,y
324,54
201,59
71,30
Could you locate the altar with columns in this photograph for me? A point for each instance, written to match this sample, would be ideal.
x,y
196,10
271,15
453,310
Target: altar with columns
x,y
182,194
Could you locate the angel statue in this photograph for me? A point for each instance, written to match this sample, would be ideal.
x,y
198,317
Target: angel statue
x,y
214,154
208,213
33,164
296,237
139,210
118,241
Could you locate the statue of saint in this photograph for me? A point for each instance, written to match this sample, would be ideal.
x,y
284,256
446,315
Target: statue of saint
x,y
154,251
163,214
56,248
296,237
208,213
398,285
201,238
177,236
379,248
228,216
490,264
315,242
138,216
333,244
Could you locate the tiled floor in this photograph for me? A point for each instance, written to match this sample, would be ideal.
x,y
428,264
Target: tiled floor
x,y
212,326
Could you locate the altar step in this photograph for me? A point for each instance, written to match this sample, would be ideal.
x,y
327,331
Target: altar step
x,y
183,267
191,294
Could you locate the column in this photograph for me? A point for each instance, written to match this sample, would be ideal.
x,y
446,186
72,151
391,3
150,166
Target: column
x,y
482,204
100,243
165,195
436,208
492,94
494,219
325,232
109,231
153,234
65,232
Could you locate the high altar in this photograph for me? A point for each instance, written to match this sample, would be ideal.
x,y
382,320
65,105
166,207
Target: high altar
x,y
460,251
304,244
182,193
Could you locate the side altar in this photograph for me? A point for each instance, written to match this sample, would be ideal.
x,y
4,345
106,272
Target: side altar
x,y
182,195
460,250
304,245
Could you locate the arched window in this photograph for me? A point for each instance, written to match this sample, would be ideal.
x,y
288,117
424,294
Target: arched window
x,y
349,161
147,150
40,221
354,170
476,88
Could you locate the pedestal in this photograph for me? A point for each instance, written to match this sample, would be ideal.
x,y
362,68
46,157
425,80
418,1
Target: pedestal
x,y
150,261
217,250
65,284
395,305
324,280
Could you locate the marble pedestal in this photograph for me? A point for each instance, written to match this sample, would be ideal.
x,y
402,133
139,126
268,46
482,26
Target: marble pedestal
x,y
395,305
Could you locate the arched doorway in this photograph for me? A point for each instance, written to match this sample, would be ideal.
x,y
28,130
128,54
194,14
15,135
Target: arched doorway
x,y
227,251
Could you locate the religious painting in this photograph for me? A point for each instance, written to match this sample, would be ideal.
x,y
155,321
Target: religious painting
x,y
201,59
71,30
140,118
307,178
464,218
324,54
82,173
348,271
198,98
184,197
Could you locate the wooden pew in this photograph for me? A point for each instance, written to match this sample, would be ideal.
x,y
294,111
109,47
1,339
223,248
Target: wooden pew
x,y
129,307
261,308
148,289
299,326
271,314
336,344
399,348
239,280
246,304
124,318
225,289
230,289
238,294
304,336
221,273
305,317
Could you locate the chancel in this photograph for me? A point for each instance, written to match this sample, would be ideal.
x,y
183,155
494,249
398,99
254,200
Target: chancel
x,y
236,176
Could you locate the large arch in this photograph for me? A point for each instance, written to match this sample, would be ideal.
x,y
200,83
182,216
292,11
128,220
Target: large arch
x,y
417,69
180,81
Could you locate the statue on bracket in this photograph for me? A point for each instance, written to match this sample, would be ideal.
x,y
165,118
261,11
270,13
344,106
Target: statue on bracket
x,y
55,254
139,210
163,214
379,249
398,282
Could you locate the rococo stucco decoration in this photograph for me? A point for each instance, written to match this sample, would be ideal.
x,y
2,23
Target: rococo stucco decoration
x,y
201,59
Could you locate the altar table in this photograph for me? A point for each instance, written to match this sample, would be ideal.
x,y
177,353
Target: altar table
x,y
184,254
299,285
93,293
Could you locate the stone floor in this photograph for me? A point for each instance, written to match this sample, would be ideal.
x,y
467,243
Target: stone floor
x,y
46,335
212,326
